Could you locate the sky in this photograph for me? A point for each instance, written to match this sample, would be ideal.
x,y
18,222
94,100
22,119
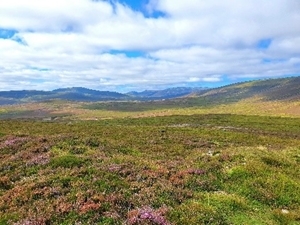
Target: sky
x,y
126,45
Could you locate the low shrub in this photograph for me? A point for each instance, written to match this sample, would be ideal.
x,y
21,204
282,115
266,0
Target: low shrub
x,y
67,161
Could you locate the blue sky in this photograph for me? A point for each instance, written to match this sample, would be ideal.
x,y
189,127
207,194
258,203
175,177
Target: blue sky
x,y
125,45
136,5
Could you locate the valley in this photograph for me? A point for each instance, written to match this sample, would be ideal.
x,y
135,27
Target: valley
x,y
208,158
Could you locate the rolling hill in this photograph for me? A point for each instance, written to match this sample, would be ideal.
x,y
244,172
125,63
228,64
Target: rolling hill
x,y
166,93
69,94
268,90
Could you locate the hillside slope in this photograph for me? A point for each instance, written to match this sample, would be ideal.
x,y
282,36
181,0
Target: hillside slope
x,y
269,90
69,94
166,93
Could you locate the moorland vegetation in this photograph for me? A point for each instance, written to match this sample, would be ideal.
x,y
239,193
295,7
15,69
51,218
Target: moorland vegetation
x,y
182,161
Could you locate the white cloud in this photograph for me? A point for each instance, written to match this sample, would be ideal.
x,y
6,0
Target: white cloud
x,y
68,43
44,15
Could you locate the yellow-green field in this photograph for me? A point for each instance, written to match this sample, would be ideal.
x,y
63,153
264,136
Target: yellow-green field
x,y
110,110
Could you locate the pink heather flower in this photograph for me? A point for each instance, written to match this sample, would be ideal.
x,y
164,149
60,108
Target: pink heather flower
x,y
147,214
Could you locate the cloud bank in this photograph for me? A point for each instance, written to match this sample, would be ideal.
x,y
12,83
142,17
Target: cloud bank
x,y
111,45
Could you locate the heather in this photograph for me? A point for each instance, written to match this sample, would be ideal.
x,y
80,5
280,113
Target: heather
x,y
180,169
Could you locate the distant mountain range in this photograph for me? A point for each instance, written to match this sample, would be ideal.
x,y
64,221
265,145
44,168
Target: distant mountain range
x,y
166,93
70,94
85,94
270,89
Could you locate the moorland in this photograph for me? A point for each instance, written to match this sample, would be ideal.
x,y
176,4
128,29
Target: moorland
x,y
228,155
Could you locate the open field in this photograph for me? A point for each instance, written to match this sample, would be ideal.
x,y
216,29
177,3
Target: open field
x,y
63,110
140,168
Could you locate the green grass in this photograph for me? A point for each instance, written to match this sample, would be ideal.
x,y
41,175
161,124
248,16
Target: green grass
x,y
181,169
67,161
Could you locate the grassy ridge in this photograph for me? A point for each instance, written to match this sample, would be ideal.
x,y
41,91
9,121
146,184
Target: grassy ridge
x,y
268,90
188,169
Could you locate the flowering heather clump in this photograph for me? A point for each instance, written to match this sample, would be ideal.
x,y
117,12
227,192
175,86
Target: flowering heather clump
x,y
41,221
196,171
147,215
39,160
114,168
12,141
